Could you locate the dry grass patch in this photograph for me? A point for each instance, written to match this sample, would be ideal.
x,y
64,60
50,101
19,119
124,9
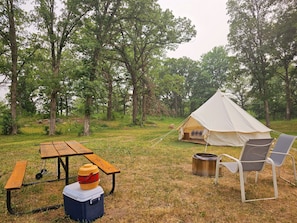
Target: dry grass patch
x,y
156,183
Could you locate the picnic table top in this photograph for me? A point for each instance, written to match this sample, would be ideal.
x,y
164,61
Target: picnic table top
x,y
62,148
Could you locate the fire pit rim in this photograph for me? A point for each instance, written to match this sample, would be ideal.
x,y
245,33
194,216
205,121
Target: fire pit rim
x,y
205,156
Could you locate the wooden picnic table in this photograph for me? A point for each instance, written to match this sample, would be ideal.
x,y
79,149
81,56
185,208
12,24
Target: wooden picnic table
x,y
60,149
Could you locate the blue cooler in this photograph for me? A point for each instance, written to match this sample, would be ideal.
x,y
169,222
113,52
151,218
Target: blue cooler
x,y
83,205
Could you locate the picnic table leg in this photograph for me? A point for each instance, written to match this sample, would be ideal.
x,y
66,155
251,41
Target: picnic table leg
x,y
59,169
113,183
8,202
66,168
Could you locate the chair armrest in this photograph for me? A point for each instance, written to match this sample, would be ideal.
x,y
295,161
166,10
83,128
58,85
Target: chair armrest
x,y
231,165
270,161
228,156
279,153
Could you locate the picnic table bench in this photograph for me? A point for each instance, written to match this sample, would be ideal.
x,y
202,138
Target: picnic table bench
x,y
15,182
105,166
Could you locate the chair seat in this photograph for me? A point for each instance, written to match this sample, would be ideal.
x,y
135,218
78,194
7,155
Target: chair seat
x,y
231,166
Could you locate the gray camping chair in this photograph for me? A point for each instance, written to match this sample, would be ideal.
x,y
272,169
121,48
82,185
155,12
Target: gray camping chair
x,y
253,157
281,151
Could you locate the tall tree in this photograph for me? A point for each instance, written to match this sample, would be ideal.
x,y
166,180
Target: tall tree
x,y
249,40
284,42
92,41
58,30
144,31
14,60
215,64
11,20
172,89
109,76
238,81
189,70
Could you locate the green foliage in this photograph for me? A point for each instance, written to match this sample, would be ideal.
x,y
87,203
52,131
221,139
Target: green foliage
x,y
146,33
3,108
263,38
46,130
118,49
6,124
57,132
215,65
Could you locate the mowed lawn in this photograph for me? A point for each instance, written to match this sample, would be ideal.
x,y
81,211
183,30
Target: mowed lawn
x,y
156,183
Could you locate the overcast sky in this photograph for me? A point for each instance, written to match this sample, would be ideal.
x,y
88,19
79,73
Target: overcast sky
x,y
210,20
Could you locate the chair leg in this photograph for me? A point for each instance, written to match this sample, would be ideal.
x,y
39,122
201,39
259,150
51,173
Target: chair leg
x,y
294,167
274,181
217,171
294,170
242,182
245,177
256,178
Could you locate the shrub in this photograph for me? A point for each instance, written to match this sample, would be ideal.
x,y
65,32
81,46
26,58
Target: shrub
x,y
7,124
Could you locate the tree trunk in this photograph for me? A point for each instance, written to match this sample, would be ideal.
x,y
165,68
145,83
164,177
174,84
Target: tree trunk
x,y
87,125
134,100
60,103
53,103
109,102
87,116
53,113
66,106
175,105
144,104
134,104
124,103
288,94
14,60
267,118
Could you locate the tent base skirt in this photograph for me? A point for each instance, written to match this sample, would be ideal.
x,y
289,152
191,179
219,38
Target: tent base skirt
x,y
197,141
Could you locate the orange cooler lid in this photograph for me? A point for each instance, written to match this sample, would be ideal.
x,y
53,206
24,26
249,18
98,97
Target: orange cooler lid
x,y
88,169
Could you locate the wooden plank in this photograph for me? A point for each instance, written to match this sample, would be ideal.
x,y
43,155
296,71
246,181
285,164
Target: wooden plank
x,y
103,165
47,150
16,179
78,148
63,149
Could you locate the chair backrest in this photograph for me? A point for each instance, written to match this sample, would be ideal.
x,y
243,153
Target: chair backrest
x,y
282,148
254,154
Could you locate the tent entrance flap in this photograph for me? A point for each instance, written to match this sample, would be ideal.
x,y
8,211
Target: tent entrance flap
x,y
193,131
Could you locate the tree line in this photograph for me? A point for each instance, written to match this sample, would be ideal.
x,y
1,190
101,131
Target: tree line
x,y
109,57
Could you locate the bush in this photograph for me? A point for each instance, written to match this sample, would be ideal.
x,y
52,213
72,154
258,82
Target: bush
x,y
7,124
46,131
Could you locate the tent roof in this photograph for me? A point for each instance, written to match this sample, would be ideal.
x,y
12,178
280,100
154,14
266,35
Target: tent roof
x,y
221,114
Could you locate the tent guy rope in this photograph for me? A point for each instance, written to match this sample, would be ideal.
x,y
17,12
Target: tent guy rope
x,y
159,139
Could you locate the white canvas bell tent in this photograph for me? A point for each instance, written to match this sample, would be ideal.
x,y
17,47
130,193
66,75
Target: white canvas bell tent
x,y
221,122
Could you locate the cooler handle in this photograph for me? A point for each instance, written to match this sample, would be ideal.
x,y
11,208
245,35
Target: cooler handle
x,y
94,201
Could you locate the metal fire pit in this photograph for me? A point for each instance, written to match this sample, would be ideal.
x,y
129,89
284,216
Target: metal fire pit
x,y
204,164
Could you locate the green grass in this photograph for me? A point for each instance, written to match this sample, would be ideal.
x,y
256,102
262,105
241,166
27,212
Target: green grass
x,y
156,183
